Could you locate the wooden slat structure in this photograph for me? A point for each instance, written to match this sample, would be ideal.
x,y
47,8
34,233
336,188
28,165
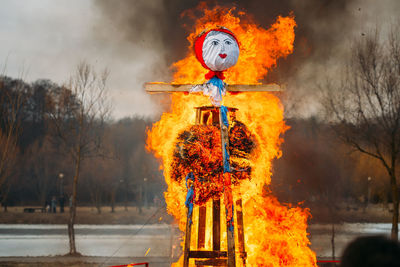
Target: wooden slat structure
x,y
215,257
169,88
204,116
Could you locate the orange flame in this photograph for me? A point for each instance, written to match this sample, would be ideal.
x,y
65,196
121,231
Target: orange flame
x,y
275,234
259,48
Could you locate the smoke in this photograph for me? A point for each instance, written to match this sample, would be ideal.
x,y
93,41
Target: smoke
x,y
159,24
325,31
138,41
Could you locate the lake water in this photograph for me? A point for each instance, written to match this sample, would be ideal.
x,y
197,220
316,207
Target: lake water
x,y
159,240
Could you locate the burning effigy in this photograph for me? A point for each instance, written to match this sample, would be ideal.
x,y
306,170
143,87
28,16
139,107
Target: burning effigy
x,y
218,142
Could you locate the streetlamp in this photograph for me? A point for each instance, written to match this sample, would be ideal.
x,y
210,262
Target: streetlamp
x,y
61,176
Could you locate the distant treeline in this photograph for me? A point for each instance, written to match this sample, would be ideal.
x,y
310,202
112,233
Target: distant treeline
x,y
318,169
39,168
315,167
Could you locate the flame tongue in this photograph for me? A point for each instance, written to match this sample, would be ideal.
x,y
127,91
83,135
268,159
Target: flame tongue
x,y
275,234
259,48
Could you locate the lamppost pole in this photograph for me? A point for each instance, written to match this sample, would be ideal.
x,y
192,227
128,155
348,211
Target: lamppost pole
x,y
61,197
369,190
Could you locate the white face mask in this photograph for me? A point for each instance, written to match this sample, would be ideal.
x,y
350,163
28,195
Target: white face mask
x,y
220,51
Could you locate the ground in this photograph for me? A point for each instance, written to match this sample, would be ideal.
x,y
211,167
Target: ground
x,y
372,213
63,261
88,215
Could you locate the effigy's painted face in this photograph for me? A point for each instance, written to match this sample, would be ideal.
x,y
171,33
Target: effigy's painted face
x,y
220,51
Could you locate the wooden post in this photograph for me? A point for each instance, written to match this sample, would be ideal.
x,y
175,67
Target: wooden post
x,y
187,240
216,236
198,116
229,233
201,233
240,231
231,246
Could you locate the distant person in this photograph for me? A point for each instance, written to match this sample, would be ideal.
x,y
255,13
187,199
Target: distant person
x,y
46,205
372,251
54,205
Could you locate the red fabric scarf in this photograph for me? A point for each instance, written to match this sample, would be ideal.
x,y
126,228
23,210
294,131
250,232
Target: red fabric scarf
x,y
219,74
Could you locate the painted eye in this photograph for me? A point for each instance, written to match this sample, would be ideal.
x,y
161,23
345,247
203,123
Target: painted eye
x,y
214,42
227,42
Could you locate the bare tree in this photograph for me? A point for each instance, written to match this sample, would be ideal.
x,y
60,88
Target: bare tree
x,y
366,105
12,100
79,113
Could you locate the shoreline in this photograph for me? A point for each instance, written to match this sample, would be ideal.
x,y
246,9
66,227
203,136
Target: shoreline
x,y
373,213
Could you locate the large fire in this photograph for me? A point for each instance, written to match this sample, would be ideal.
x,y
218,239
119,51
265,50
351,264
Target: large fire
x,y
275,234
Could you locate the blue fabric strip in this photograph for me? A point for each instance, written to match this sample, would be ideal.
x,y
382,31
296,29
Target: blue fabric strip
x,y
224,115
231,228
189,196
218,83
227,166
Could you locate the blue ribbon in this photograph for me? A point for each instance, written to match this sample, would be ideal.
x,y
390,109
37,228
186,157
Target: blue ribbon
x,y
224,115
227,166
218,83
190,196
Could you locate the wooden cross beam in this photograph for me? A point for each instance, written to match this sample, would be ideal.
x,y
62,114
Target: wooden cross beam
x,y
169,88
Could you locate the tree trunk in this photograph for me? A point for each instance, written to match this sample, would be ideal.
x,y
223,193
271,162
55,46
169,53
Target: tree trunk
x,y
140,204
333,240
43,195
72,211
112,200
4,201
395,198
98,201
126,197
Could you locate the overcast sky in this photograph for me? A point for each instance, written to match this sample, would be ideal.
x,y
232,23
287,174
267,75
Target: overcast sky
x,y
48,38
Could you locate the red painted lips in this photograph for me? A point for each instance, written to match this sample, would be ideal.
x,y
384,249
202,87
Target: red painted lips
x,y
222,55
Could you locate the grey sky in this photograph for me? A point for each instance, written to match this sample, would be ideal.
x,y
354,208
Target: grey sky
x,y
135,40
47,39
